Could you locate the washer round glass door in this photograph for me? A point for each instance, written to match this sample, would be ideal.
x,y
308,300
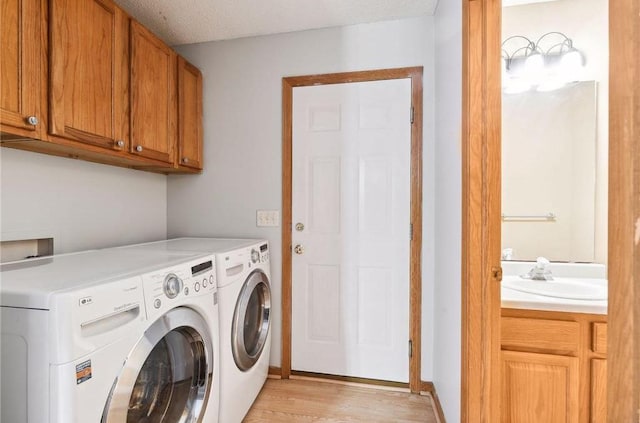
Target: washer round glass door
x,y
168,375
251,320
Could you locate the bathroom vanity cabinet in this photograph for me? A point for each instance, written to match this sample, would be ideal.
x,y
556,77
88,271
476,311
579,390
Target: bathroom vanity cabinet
x,y
553,367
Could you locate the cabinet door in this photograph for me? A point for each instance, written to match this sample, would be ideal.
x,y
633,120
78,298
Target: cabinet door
x,y
21,66
598,391
189,115
539,388
153,96
88,95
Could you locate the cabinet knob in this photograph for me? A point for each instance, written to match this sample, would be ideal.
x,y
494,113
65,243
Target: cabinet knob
x,y
32,120
185,160
138,148
120,143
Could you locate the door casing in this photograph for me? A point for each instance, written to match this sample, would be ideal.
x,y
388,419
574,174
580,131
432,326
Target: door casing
x,y
415,270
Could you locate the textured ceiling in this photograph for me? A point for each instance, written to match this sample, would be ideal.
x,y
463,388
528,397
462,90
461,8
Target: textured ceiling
x,y
194,21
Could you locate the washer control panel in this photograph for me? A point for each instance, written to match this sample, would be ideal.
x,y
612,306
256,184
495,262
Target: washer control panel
x,y
172,285
166,288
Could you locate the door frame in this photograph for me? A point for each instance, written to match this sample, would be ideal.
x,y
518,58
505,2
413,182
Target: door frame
x,y
481,133
415,254
481,192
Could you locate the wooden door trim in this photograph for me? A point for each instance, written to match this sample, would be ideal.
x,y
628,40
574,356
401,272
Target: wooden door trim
x,y
481,126
481,132
623,363
415,271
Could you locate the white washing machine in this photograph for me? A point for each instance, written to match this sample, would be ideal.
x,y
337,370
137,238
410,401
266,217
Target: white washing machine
x,y
109,336
244,291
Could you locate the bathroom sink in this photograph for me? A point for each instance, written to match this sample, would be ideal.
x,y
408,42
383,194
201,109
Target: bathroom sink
x,y
569,288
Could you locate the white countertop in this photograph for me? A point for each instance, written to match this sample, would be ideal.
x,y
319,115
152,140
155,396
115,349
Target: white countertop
x,y
586,273
522,300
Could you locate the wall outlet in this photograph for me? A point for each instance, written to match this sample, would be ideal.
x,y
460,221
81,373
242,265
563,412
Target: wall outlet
x,y
267,218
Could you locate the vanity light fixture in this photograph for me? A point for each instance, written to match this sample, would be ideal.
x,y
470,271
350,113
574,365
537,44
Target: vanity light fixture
x,y
544,65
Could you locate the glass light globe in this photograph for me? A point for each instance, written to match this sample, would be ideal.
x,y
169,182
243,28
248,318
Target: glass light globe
x,y
571,64
571,60
534,64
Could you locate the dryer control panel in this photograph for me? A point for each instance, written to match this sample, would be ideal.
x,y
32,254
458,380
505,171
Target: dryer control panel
x,y
260,254
170,287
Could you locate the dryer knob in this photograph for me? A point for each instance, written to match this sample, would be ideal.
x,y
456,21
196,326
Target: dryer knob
x,y
172,285
255,256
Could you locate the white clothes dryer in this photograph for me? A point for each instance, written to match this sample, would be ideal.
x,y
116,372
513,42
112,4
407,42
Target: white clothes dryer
x,y
244,289
109,336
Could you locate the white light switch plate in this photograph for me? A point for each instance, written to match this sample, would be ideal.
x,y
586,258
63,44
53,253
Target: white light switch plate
x,y
267,218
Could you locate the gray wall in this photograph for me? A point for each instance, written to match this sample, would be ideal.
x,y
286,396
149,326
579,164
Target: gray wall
x,y
81,205
448,200
243,133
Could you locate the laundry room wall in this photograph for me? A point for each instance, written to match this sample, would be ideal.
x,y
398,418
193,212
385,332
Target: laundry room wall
x,y
80,205
448,200
243,134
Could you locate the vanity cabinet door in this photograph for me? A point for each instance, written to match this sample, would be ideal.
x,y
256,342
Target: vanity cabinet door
x,y
88,93
153,96
21,68
598,390
539,388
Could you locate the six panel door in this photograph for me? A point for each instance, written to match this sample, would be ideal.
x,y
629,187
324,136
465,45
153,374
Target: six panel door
x,y
351,215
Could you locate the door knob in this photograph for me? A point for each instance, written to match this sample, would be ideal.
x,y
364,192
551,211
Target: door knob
x,y
299,227
298,249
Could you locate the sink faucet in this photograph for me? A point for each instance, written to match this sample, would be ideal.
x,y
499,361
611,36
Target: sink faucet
x,y
539,272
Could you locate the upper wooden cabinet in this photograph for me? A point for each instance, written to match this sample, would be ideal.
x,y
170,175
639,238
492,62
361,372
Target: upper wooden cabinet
x,y
86,81
88,92
190,115
153,96
22,71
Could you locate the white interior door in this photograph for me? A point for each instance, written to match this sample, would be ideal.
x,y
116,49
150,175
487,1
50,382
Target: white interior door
x,y
351,192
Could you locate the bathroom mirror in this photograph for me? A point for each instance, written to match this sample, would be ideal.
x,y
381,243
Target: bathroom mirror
x,y
555,130
548,173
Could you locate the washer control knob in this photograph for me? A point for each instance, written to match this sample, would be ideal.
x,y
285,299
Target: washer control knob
x,y
157,303
204,283
197,286
172,285
255,256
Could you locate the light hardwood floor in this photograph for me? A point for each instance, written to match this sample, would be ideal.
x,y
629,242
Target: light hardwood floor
x,y
288,401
